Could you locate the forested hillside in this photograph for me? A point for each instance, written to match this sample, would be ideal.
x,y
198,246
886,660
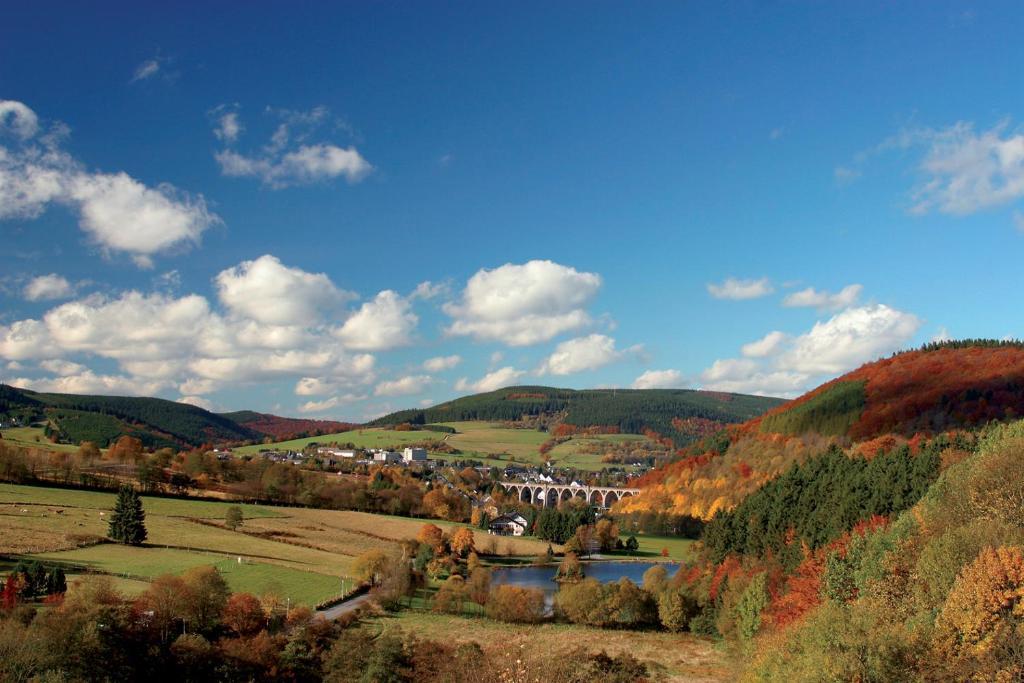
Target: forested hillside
x,y
284,428
895,401
682,415
101,419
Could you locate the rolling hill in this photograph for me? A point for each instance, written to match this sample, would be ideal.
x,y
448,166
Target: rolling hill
x,y
102,419
939,388
284,428
679,414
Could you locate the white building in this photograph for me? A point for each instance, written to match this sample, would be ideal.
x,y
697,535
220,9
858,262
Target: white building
x,y
508,525
410,455
387,457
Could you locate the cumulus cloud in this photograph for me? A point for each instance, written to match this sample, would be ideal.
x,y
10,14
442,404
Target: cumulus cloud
x,y
119,213
48,287
198,402
17,119
822,300
122,214
385,322
659,379
738,290
313,386
319,406
429,290
523,304
583,353
404,386
767,345
160,340
305,165
64,368
229,127
267,291
88,382
780,365
288,159
849,339
441,363
492,381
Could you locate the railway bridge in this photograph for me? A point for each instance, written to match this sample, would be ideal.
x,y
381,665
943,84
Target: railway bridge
x,y
550,495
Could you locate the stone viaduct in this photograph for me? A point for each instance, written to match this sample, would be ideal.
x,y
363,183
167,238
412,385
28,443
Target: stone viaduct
x,y
550,495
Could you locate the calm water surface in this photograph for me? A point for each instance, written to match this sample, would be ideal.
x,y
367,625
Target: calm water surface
x,y
605,572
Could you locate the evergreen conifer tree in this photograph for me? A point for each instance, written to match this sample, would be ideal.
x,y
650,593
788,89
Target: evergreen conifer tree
x,y
128,521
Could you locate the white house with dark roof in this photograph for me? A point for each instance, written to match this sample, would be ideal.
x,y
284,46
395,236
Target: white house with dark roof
x,y
508,525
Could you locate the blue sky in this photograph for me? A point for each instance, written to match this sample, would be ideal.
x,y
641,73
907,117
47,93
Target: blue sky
x,y
335,211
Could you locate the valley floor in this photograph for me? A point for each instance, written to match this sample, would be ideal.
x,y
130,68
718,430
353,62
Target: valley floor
x,y
678,657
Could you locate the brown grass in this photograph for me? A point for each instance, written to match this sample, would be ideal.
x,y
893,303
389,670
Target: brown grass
x,y
672,657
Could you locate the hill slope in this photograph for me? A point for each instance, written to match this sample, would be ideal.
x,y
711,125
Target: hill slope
x,y
938,388
285,428
102,419
682,415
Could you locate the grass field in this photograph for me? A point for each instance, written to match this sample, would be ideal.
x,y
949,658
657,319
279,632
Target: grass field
x,y
302,587
491,443
679,549
361,438
295,552
674,657
33,437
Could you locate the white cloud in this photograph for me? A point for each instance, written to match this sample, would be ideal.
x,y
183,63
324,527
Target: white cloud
x,y
492,381
194,386
198,402
18,119
429,290
48,287
313,386
738,290
288,160
305,165
582,353
90,383
823,300
941,336
849,339
659,379
761,383
229,127
766,346
146,69
119,213
967,171
441,363
319,406
523,304
780,365
386,322
267,291
404,386
122,214
64,368
162,340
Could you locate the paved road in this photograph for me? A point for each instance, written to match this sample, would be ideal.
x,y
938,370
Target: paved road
x,y
343,608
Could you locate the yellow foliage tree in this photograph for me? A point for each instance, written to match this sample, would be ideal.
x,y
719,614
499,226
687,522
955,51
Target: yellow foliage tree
x,y
979,625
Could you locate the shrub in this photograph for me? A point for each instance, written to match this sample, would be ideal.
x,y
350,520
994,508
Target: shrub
x,y
515,604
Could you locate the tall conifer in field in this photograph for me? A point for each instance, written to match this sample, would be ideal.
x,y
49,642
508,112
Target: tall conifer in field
x,y
128,522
